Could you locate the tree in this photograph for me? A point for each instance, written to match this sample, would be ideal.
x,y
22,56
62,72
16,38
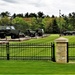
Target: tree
x,y
20,24
3,14
32,15
48,28
72,19
55,27
19,15
40,23
40,14
53,16
14,15
47,24
34,25
26,15
5,21
69,22
61,24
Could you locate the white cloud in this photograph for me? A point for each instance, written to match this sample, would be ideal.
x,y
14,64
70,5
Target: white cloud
x,y
50,7
10,1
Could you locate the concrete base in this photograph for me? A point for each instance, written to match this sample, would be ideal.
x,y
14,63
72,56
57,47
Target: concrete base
x,y
4,42
17,39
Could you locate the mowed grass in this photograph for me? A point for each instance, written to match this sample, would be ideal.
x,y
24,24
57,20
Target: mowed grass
x,y
34,67
70,38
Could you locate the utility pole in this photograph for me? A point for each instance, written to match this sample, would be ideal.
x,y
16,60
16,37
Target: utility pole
x,y
60,21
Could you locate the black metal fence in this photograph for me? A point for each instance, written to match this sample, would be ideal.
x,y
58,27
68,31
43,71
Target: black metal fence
x,y
27,51
71,51
3,51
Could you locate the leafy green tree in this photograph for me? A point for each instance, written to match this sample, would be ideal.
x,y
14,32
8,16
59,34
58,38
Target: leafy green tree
x,y
72,20
34,24
20,24
39,22
48,28
47,22
5,21
61,24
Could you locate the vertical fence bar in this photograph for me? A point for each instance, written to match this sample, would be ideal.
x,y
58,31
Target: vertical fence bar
x,y
7,50
67,52
53,52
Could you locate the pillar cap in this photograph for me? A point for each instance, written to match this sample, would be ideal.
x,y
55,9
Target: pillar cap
x,y
61,39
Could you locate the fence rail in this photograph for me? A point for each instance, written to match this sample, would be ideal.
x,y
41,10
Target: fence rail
x,y
27,51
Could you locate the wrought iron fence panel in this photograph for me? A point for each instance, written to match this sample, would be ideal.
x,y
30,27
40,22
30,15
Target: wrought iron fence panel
x,y
3,51
71,52
31,51
27,51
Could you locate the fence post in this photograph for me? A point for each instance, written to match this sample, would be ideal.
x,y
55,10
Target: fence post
x,y
53,52
61,50
67,53
7,50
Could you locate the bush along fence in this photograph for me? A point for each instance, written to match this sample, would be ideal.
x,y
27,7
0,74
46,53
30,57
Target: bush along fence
x,y
60,51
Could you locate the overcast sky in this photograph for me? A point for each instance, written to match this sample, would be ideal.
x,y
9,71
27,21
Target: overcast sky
x,y
48,7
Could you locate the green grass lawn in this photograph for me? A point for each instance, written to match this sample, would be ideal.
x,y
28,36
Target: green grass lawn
x,y
70,38
35,67
41,67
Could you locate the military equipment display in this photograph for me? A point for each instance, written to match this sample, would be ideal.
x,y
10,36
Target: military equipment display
x,y
21,34
30,33
38,32
69,33
9,31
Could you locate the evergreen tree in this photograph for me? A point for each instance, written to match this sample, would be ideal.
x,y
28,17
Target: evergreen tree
x,y
26,15
55,27
14,16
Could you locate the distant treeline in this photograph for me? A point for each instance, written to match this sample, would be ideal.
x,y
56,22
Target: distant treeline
x,y
34,21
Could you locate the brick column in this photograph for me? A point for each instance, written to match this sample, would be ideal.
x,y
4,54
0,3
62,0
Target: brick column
x,y
61,50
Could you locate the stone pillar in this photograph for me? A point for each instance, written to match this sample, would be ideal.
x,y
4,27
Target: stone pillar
x,y
61,50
